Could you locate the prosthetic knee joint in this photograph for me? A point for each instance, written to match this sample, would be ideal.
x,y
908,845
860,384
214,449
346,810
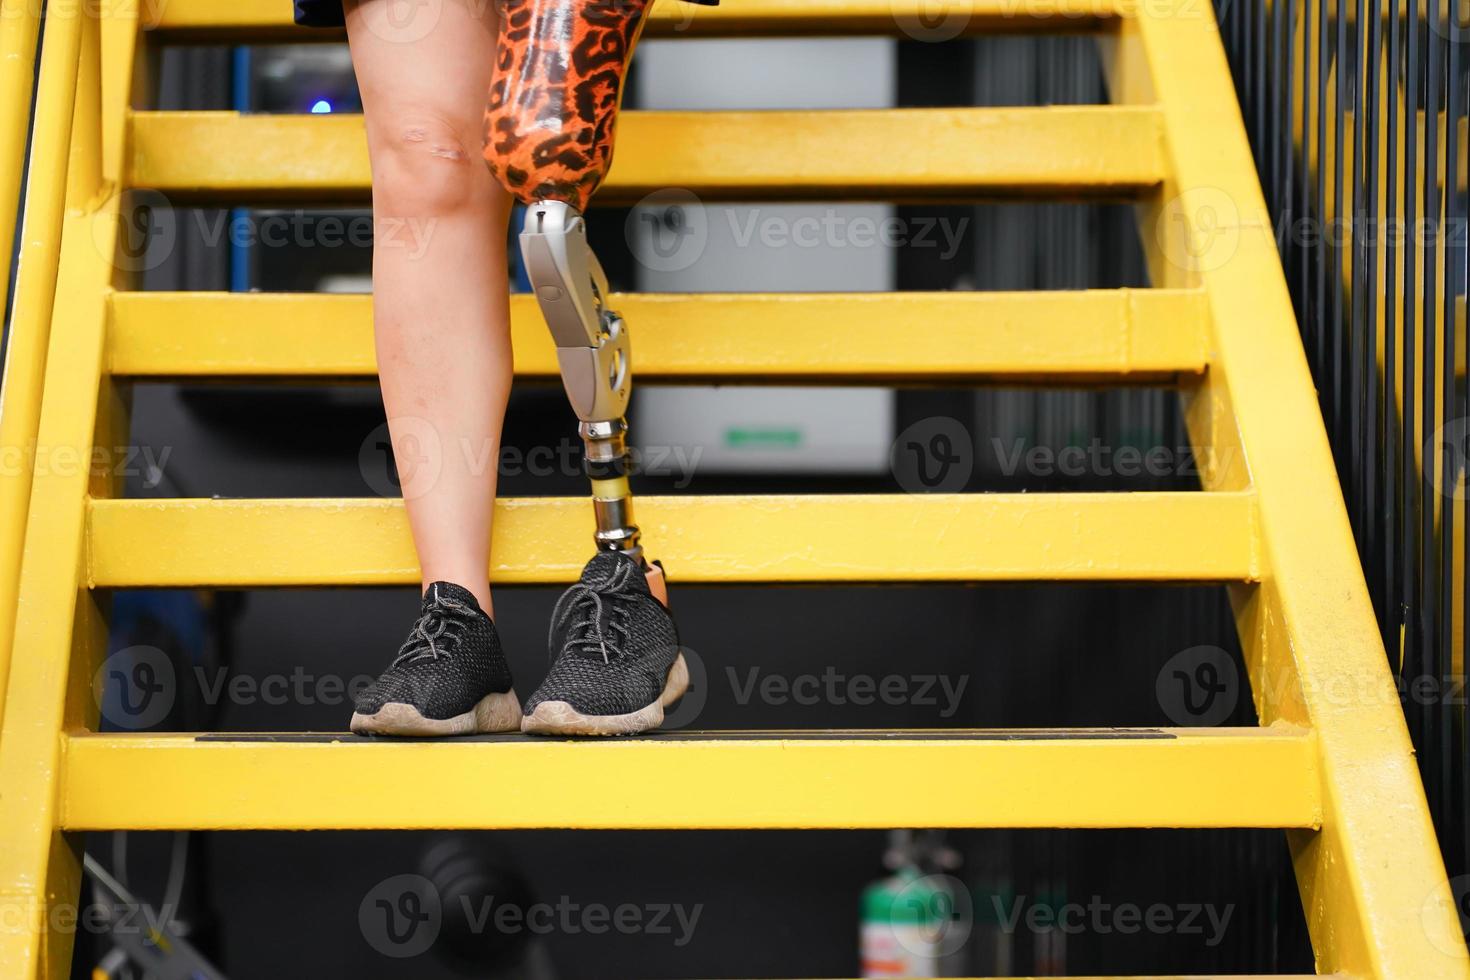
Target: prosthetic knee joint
x,y
593,353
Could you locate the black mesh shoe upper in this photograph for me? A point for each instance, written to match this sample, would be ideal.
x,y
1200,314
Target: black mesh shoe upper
x,y
451,659
612,643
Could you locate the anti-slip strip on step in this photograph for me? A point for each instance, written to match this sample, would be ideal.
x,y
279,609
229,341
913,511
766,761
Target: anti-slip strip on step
x,y
994,735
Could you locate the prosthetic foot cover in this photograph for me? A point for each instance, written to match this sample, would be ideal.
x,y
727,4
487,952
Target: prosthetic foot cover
x,y
555,93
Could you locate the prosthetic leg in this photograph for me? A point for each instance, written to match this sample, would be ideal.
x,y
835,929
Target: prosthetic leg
x,y
593,352
549,130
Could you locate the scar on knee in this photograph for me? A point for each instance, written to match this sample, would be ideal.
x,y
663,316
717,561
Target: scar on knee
x,y
444,151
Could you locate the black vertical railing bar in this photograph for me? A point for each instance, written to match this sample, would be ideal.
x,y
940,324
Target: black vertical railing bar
x,y
1454,285
1248,39
1372,236
1357,339
1271,129
1249,13
1461,288
1335,232
1320,156
1448,481
1428,242
1392,516
1302,231
1234,21
1409,657
1285,132
1452,709
1237,12
1225,17
1263,91
1356,131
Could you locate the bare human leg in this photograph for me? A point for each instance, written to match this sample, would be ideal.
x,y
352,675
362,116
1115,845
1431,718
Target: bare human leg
x,y
442,327
440,314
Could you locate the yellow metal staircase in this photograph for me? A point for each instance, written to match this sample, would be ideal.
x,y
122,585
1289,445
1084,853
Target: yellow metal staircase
x,y
1331,764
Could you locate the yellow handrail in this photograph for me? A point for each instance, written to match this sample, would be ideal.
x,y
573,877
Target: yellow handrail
x,y
72,40
20,26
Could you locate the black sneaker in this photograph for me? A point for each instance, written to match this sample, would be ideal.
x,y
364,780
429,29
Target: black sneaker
x,y
616,656
449,678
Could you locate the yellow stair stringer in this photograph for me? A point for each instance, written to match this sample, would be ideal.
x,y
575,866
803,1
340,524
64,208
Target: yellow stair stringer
x,y
60,619
35,282
20,25
1372,882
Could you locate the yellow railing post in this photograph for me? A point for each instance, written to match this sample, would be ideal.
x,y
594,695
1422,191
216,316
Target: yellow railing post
x,y
35,286
65,280
20,27
1373,885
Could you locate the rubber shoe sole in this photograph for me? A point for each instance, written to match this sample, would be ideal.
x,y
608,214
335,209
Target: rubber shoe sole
x,y
494,713
560,718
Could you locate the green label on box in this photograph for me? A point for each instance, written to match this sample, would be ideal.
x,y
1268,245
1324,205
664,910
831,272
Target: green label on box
x,y
763,438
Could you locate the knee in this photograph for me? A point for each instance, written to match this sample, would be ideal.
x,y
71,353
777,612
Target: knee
x,y
424,167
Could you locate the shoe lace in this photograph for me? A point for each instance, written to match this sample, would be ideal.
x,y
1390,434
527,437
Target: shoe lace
x,y
583,610
438,629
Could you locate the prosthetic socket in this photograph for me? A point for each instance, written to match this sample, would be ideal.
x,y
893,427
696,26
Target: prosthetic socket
x,y
549,130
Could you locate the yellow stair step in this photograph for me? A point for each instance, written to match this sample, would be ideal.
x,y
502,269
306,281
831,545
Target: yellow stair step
x,y
1183,537
1248,777
245,21
1122,335
863,154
